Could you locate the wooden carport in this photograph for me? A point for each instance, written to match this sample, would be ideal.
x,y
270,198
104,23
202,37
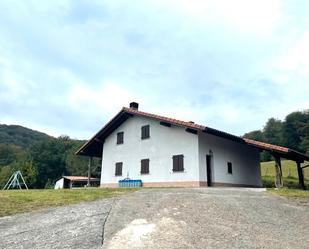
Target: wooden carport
x,y
279,152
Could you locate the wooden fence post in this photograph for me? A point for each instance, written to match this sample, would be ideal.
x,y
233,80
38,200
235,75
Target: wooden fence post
x,y
300,176
279,180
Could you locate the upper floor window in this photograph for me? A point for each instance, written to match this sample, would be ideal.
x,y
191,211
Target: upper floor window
x,y
145,166
118,169
120,137
229,168
145,131
178,163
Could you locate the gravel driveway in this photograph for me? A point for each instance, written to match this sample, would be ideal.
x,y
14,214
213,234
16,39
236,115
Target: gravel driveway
x,y
166,218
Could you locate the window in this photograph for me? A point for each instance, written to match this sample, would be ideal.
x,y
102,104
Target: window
x,y
145,131
178,163
229,168
145,166
120,137
118,170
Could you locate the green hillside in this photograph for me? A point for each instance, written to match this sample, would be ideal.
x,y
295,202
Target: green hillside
x,y
20,136
289,172
42,159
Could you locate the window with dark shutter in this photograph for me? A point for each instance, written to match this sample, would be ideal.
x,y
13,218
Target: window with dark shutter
x,y
145,131
229,168
120,137
178,163
145,166
118,169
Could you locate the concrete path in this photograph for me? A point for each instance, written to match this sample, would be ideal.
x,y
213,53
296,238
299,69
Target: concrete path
x,y
166,218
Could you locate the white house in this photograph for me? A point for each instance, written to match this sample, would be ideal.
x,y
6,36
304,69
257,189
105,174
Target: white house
x,y
163,151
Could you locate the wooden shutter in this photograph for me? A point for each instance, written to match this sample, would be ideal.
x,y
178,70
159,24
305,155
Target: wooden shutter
x,y
120,137
175,163
145,166
145,131
118,170
178,163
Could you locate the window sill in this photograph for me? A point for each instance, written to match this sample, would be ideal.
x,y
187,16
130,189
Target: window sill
x,y
183,171
146,138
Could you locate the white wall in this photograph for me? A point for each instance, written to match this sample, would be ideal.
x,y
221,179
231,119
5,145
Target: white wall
x,y
164,142
244,159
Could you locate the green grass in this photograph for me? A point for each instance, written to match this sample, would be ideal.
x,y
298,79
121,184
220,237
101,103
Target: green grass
x,y
289,172
18,201
292,193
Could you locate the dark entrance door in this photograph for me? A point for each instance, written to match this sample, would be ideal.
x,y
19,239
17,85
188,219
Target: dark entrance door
x,y
208,169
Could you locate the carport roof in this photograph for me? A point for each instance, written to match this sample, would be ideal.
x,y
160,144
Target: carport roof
x,y
93,147
80,178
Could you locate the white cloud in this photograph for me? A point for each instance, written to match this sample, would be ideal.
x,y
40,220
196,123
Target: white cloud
x,y
103,101
226,64
259,17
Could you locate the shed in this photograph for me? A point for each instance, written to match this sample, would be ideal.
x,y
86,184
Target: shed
x,y
76,181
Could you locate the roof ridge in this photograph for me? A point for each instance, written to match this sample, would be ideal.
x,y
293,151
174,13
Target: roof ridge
x,y
168,119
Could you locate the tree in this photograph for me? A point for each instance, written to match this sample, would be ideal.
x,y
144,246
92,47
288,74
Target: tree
x,y
10,153
272,132
49,160
296,131
255,135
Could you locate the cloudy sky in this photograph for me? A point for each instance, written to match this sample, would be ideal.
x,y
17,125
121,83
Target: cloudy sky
x,y
66,67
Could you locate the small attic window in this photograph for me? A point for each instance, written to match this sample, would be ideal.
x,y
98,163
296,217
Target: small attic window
x,y
145,131
120,137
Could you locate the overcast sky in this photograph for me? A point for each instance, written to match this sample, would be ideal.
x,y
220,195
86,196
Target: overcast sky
x,y
66,67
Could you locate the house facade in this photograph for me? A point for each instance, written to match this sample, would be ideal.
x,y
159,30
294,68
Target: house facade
x,y
172,155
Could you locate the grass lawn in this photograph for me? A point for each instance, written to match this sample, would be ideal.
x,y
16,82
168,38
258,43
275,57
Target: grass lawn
x,y
18,201
289,172
294,193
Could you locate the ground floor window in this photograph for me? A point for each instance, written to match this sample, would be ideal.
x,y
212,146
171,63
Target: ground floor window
x,y
178,163
118,169
145,166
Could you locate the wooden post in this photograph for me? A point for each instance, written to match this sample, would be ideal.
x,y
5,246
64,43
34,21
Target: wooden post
x,y
300,176
279,180
89,171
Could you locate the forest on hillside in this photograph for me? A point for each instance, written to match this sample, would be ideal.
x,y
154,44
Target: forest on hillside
x,y
42,159
292,132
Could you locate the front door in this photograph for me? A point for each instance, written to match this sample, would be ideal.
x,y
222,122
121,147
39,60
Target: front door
x,y
208,170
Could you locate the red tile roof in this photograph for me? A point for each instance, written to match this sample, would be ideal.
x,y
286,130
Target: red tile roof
x,y
267,146
96,140
165,119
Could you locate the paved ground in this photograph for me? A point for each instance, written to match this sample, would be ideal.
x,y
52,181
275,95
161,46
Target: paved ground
x,y
74,226
207,218
166,218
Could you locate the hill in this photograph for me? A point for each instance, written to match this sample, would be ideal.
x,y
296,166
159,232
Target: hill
x,y
41,158
20,136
